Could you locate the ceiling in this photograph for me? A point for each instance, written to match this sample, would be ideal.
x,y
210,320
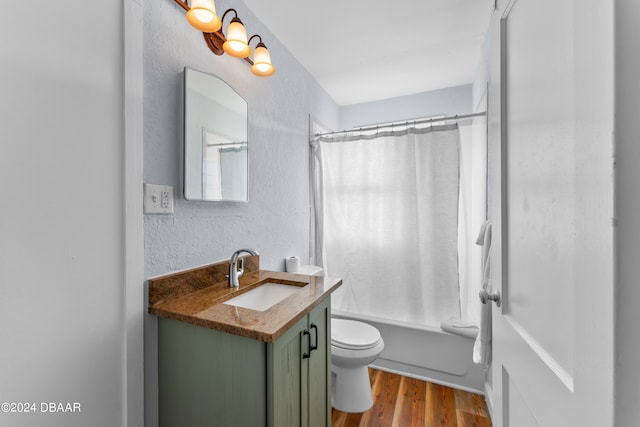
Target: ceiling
x,y
366,50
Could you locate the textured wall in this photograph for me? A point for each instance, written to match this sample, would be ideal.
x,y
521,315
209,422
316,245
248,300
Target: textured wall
x,y
276,219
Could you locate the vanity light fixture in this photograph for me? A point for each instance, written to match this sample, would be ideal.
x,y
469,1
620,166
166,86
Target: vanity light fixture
x,y
203,17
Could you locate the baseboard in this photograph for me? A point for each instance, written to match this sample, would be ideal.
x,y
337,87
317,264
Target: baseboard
x,y
488,397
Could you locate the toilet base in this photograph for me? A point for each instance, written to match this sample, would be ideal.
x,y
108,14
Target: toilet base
x,y
351,389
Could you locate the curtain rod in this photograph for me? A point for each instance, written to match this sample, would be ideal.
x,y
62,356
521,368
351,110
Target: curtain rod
x,y
406,123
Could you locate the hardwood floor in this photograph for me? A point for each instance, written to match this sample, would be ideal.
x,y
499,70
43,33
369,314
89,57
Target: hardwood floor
x,y
401,401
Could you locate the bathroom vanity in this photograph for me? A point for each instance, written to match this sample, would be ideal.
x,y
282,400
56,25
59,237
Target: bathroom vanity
x,y
221,364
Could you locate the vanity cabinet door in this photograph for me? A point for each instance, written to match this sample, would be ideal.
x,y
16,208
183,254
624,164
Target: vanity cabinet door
x,y
299,386
287,378
209,378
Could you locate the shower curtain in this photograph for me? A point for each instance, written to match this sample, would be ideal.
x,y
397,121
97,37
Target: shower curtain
x,y
386,221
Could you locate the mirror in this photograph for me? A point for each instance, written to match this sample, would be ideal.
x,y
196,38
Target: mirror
x,y
216,157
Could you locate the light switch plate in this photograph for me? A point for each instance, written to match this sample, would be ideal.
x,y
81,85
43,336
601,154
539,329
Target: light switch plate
x,y
158,199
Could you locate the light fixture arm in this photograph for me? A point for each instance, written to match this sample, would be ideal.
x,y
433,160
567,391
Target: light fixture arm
x,y
227,11
255,35
183,4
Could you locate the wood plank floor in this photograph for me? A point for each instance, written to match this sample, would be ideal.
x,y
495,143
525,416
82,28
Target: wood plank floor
x,y
400,401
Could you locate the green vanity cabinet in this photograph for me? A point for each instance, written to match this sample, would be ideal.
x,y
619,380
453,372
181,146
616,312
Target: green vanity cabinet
x,y
209,378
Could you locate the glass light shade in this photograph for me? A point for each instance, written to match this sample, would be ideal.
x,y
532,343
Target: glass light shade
x,y
236,44
202,16
262,62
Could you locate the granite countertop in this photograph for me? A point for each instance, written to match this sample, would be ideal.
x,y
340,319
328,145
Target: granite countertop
x,y
188,297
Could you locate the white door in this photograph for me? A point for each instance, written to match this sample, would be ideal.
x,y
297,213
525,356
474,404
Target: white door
x,y
552,258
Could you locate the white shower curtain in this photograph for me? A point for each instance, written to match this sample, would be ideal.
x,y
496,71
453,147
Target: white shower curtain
x,y
386,216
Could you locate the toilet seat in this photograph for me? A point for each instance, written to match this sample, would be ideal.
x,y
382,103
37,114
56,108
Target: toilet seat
x,y
353,335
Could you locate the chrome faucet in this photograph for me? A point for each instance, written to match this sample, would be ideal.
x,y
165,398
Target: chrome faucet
x,y
236,266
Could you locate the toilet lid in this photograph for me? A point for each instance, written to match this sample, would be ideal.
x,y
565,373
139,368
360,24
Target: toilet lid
x,y
353,335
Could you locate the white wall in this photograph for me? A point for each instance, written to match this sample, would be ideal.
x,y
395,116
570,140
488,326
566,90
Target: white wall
x,y
64,327
627,247
447,101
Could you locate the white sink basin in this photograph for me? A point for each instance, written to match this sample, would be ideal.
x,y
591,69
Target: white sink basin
x,y
264,296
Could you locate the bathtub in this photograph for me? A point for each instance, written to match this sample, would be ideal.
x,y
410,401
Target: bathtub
x,y
424,352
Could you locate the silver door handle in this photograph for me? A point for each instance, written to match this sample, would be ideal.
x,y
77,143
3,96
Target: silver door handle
x,y
486,296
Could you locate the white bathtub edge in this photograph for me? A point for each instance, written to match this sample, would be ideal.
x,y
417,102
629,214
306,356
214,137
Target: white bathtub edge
x,y
428,375
425,352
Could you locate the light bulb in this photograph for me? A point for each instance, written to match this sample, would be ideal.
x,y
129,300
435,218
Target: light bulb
x,y
262,62
236,44
202,16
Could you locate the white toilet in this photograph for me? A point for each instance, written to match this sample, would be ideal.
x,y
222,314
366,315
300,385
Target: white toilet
x,y
354,345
